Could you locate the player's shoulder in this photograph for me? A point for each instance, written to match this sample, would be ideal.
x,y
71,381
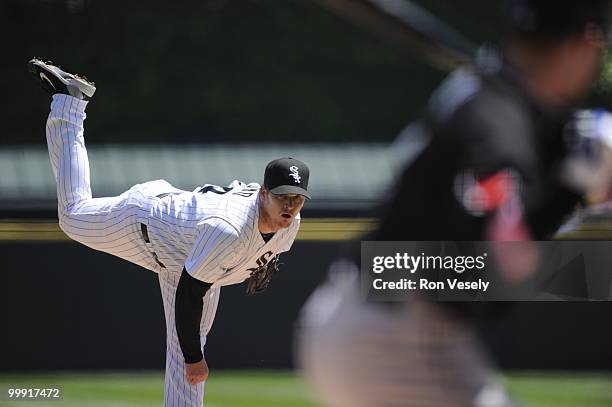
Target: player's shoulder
x,y
240,226
215,230
496,127
493,111
237,185
478,97
239,208
493,114
461,86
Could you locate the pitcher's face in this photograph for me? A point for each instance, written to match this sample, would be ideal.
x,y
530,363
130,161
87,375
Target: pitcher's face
x,y
279,210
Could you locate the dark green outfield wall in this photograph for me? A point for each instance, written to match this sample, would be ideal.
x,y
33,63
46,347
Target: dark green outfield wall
x,y
218,70
64,306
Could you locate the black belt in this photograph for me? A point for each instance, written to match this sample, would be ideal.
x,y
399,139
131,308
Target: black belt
x,y
145,236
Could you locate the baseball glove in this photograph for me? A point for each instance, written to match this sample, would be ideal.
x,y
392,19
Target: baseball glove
x,y
260,278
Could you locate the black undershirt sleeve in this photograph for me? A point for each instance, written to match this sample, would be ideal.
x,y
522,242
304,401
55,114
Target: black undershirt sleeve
x,y
188,314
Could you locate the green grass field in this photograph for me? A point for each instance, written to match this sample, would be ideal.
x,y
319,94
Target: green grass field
x,y
282,389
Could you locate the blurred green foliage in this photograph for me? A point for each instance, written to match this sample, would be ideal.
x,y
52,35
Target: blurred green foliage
x,y
219,70
603,88
225,71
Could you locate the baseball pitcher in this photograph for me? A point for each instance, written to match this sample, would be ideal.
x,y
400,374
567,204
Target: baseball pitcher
x,y
195,241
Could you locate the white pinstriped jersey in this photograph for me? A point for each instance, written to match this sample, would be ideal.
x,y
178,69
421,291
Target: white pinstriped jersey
x,y
212,231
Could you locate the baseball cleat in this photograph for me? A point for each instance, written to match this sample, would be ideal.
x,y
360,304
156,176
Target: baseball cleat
x,y
54,80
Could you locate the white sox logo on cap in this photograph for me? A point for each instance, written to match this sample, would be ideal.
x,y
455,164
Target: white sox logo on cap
x,y
287,176
295,174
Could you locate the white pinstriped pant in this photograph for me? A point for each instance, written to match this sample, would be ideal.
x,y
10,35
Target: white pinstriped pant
x,y
359,354
112,225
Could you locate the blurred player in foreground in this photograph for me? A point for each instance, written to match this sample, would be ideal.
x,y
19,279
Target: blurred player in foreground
x,y
195,241
498,163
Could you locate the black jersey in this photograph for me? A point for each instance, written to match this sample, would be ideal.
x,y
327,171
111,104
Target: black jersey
x,y
488,142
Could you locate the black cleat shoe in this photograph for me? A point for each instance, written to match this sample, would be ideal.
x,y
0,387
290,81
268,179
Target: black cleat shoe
x,y
54,80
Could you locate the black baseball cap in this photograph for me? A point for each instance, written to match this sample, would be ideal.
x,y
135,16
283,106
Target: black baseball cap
x,y
287,176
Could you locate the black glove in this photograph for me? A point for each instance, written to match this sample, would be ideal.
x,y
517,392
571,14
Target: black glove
x,y
260,278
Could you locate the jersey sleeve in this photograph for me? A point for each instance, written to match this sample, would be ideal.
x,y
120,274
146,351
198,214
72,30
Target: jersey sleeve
x,y
188,314
216,249
495,135
502,171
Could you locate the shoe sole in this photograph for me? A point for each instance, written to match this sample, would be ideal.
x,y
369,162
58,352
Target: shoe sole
x,y
36,66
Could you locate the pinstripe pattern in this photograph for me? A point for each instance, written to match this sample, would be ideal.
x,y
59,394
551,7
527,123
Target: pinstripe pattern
x,y
214,235
360,354
177,392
